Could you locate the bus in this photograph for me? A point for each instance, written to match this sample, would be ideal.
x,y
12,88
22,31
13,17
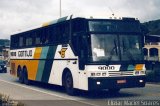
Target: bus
x,y
80,53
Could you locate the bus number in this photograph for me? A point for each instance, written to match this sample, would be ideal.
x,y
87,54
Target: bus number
x,y
106,67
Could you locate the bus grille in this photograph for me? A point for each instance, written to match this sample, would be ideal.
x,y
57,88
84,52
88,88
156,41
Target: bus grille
x,y
120,73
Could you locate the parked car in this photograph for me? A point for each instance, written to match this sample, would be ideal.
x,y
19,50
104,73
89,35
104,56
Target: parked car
x,y
3,67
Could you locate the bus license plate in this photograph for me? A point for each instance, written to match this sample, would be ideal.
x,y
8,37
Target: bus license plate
x,y
121,81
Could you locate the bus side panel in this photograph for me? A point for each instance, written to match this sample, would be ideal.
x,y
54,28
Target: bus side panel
x,y
44,56
48,63
13,68
69,61
31,66
62,56
56,72
80,80
31,63
42,62
83,80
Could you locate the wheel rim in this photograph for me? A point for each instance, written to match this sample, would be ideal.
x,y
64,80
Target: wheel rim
x,y
68,81
26,81
21,77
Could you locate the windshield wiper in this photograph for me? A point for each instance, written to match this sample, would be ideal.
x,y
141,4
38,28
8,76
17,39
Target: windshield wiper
x,y
111,53
130,56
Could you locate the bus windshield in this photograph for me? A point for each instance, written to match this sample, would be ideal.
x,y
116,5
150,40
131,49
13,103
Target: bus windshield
x,y
110,47
131,47
104,47
113,26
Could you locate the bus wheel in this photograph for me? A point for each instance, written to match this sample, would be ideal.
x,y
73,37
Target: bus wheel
x,y
26,81
114,90
21,77
69,84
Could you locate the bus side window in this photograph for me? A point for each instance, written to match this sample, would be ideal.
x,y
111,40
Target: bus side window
x,y
21,42
40,36
44,39
63,33
14,42
66,35
58,34
37,40
29,41
51,35
33,35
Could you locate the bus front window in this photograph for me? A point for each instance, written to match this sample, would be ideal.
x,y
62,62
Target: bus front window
x,y
104,47
131,48
110,47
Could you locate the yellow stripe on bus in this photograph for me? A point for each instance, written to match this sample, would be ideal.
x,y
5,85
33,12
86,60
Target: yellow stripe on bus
x,y
34,64
31,65
37,53
46,24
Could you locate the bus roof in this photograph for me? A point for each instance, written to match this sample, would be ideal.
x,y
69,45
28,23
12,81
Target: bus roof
x,y
67,18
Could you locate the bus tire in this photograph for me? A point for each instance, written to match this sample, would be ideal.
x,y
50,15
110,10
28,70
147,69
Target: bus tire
x,y
21,76
5,71
69,84
114,91
26,81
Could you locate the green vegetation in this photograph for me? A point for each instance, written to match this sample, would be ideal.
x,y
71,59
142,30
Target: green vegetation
x,y
6,101
153,27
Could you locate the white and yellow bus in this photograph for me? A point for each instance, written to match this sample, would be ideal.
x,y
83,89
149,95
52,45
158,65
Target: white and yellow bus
x,y
80,53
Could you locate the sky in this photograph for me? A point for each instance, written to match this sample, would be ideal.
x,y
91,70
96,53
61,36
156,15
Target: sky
x,y
19,15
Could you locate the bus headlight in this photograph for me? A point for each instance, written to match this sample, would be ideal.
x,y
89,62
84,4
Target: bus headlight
x,y
98,83
137,73
142,72
140,81
98,74
104,74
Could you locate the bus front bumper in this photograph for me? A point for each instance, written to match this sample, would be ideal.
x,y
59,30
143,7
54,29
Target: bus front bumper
x,y
95,83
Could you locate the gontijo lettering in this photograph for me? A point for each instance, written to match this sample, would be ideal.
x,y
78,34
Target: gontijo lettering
x,y
25,53
13,53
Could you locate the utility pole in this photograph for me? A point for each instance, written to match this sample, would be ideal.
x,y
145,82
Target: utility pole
x,y
60,9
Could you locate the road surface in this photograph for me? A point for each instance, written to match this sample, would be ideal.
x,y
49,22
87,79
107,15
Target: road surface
x,y
49,95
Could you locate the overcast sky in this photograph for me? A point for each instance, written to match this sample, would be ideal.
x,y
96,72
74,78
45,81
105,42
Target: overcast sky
x,y
17,15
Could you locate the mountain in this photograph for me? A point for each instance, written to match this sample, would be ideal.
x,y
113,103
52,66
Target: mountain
x,y
153,27
4,42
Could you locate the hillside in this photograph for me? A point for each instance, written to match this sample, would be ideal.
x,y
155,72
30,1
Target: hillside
x,y
153,27
4,42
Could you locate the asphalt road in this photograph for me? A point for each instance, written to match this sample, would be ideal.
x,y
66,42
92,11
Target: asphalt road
x,y
38,94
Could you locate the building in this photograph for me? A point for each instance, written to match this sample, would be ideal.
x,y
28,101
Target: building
x,y
4,49
152,56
